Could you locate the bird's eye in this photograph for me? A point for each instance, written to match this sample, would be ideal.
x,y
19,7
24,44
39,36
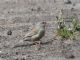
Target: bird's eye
x,y
43,22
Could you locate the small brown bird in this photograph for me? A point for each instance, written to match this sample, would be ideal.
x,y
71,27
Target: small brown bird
x,y
36,33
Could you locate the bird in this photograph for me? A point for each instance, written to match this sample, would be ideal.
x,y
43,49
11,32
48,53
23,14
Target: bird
x,y
36,33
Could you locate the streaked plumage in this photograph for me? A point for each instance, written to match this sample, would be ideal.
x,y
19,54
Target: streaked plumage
x,y
36,33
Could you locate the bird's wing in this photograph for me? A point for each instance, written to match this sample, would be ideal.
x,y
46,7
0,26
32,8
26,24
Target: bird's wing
x,y
31,33
38,35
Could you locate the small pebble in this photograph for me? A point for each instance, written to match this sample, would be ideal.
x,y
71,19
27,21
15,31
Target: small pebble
x,y
16,59
54,1
22,59
9,32
39,9
32,9
70,57
68,2
16,53
72,9
0,51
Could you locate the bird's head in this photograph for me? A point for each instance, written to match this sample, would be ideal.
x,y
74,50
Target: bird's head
x,y
43,24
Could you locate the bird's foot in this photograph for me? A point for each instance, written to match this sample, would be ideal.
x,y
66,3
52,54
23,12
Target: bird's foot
x,y
38,45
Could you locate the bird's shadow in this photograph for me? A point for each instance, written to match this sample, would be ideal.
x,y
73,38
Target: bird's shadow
x,y
28,45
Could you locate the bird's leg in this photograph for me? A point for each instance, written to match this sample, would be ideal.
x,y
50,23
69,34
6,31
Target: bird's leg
x,y
34,43
37,45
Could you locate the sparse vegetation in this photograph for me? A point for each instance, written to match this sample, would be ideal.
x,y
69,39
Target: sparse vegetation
x,y
67,33
76,25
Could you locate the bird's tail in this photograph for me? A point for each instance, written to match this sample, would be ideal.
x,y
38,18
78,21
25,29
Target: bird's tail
x,y
22,41
27,39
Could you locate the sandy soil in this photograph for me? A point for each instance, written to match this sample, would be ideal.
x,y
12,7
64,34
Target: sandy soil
x,y
20,16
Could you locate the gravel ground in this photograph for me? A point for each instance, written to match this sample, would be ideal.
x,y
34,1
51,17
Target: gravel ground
x,y
20,16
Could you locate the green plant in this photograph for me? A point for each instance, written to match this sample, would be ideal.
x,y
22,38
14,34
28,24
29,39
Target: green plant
x,y
76,25
63,31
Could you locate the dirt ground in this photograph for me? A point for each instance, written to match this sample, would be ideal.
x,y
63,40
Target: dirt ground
x,y
20,16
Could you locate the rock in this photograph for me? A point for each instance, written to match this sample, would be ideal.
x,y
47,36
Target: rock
x,y
22,59
68,2
16,53
70,56
16,59
77,6
9,32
